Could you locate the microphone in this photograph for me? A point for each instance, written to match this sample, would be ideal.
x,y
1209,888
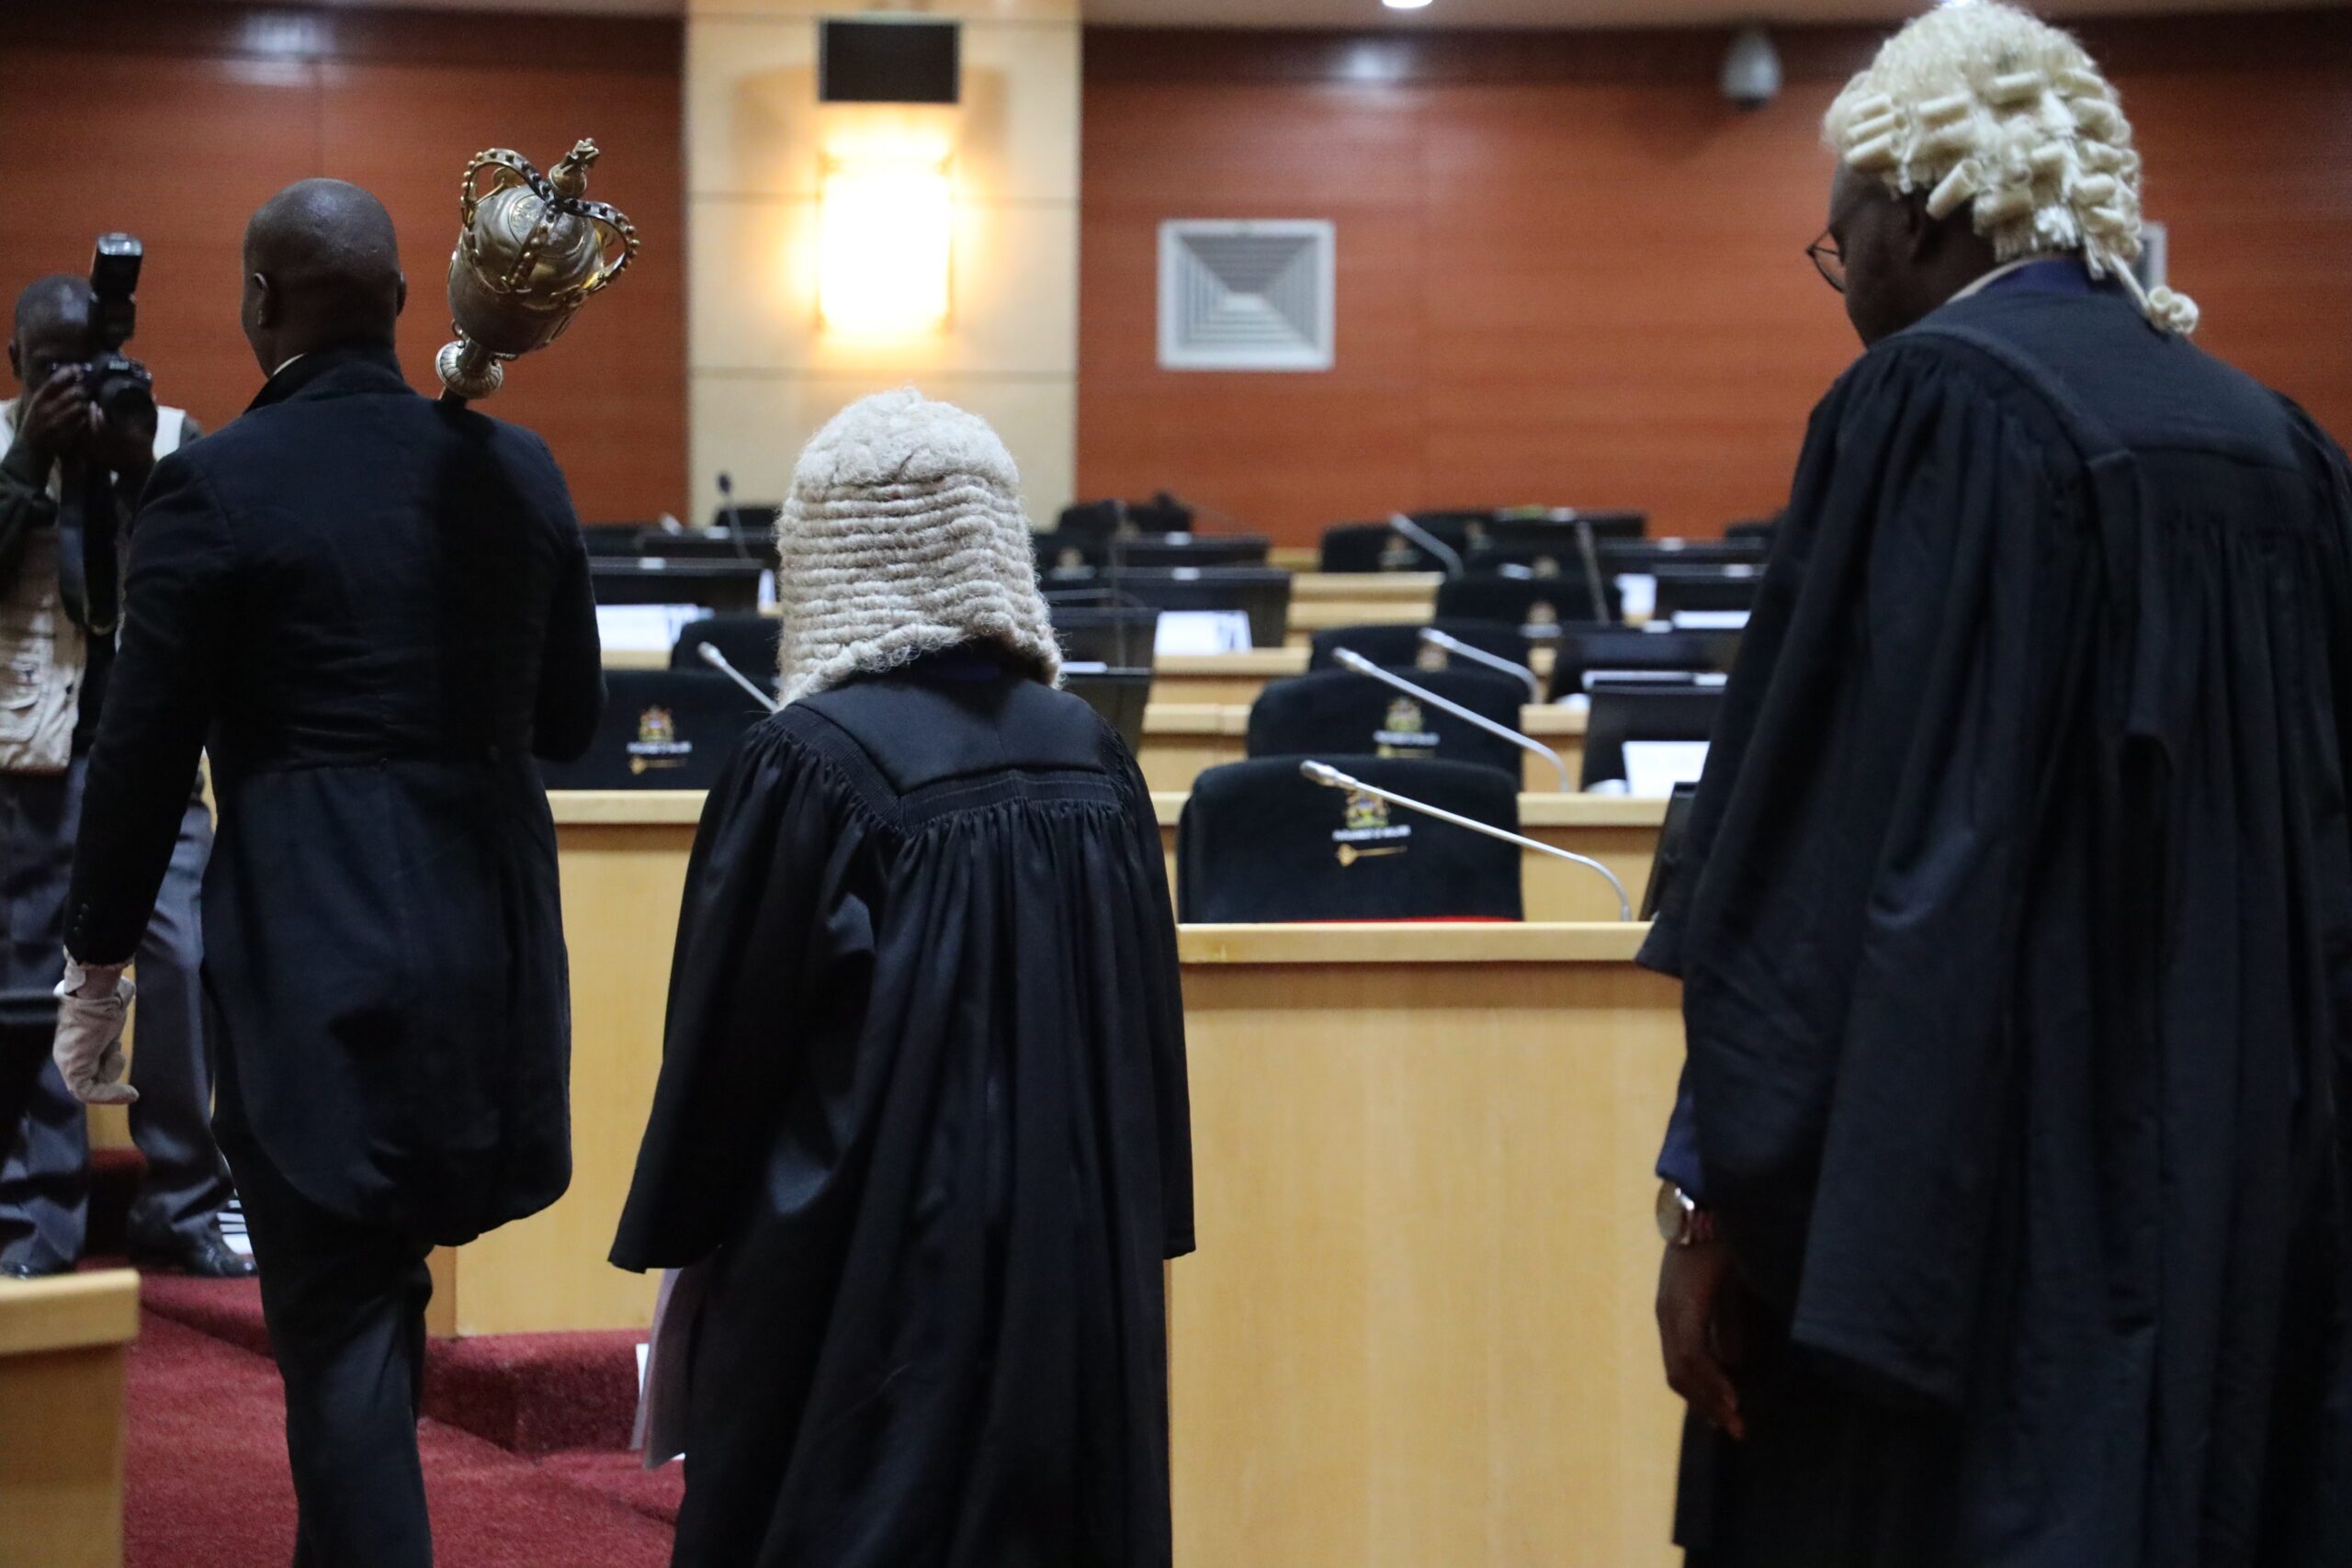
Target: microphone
x,y
1325,774
1446,554
1351,660
710,654
1591,567
734,525
1455,645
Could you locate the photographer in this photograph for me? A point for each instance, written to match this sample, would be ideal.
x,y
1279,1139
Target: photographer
x,y
76,447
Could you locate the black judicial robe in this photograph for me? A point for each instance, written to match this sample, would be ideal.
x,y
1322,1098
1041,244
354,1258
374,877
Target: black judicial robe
x,y
922,1105
2018,969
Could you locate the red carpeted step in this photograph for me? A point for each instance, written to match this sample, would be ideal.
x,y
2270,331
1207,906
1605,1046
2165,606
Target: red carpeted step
x,y
624,1478
205,1483
531,1393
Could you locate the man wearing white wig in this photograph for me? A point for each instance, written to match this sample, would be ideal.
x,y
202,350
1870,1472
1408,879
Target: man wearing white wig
x,y
921,1129
2006,1199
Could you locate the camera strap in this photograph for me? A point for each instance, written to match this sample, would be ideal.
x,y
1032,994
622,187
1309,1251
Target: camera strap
x,y
89,571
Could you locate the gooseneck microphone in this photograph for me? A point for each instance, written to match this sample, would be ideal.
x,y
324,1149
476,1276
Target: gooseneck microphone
x,y
734,518
1351,659
1591,555
1325,774
710,654
1455,645
1446,554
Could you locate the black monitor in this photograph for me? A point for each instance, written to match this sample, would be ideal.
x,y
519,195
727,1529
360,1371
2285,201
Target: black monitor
x,y
1376,547
711,544
723,587
610,539
1656,555
1114,635
1560,530
1673,836
1119,696
891,61
1190,550
660,730
1261,593
1586,650
1718,589
1643,712
748,514
1069,549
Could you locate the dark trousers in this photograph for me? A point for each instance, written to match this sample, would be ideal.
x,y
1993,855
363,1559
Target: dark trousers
x,y
44,1182
346,1308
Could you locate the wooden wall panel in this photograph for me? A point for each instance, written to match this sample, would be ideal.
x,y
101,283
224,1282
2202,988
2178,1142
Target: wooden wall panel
x,y
183,118
1570,274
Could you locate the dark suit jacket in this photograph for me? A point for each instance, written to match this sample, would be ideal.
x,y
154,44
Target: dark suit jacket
x,y
378,610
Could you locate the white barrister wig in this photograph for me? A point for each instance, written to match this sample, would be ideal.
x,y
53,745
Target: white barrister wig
x,y
1980,103
904,535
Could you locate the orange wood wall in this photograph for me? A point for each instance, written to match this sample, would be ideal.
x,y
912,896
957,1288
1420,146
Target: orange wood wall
x,y
175,121
1570,274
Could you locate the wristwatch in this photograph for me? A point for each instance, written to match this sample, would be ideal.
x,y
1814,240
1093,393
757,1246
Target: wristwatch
x,y
1680,1219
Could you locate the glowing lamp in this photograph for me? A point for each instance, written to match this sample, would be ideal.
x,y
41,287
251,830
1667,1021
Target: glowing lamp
x,y
885,233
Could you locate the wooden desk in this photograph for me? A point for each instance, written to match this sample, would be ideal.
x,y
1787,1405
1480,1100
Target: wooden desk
x,y
623,856
1320,599
1180,740
1188,677
62,1345
1618,831
1419,1330
637,659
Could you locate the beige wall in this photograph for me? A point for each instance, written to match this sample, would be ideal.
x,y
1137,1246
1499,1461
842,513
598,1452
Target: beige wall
x,y
763,374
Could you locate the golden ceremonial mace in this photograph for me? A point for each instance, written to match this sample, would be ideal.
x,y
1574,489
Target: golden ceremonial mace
x,y
530,249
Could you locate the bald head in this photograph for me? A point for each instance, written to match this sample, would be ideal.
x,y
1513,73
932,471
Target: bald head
x,y
321,268
51,327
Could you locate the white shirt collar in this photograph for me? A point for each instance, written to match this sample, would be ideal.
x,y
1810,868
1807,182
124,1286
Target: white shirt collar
x,y
1994,276
281,369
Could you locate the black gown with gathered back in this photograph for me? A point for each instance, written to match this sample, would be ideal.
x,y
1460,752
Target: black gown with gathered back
x,y
923,1108
2018,969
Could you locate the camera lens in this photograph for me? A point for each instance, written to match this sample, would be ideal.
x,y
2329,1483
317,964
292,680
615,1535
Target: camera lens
x,y
122,392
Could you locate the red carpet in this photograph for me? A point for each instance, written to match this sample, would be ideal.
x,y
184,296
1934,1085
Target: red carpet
x,y
207,1485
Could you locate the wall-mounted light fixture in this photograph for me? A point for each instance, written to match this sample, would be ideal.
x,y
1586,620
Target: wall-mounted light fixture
x,y
885,239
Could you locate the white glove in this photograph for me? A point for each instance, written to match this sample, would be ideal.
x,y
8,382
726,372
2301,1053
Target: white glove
x,y
88,1049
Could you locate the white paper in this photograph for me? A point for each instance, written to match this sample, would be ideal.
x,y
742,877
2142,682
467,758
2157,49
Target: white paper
x,y
644,628
1710,620
661,1428
1203,631
1654,767
1637,597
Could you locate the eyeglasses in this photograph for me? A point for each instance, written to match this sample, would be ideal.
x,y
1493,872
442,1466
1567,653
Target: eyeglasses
x,y
1829,260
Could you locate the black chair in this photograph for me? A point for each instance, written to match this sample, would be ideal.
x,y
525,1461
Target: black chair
x,y
1163,514
757,515
1622,713
1762,531
1257,843
1556,530
1582,649
1399,644
1189,549
722,587
1718,589
1538,606
1373,546
1656,555
748,642
1119,696
755,545
1069,549
611,539
1337,713
661,729
1117,637
1261,593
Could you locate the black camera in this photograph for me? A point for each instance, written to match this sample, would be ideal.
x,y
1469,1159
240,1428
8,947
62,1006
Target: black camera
x,y
118,386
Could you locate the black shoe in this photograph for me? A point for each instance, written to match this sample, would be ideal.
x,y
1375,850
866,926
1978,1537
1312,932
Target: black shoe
x,y
203,1256
33,1270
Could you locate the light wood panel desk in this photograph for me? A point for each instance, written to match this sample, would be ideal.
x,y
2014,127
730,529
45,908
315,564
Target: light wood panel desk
x,y
1180,740
623,857
1189,678
1419,1330
1321,599
62,1345
1618,831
